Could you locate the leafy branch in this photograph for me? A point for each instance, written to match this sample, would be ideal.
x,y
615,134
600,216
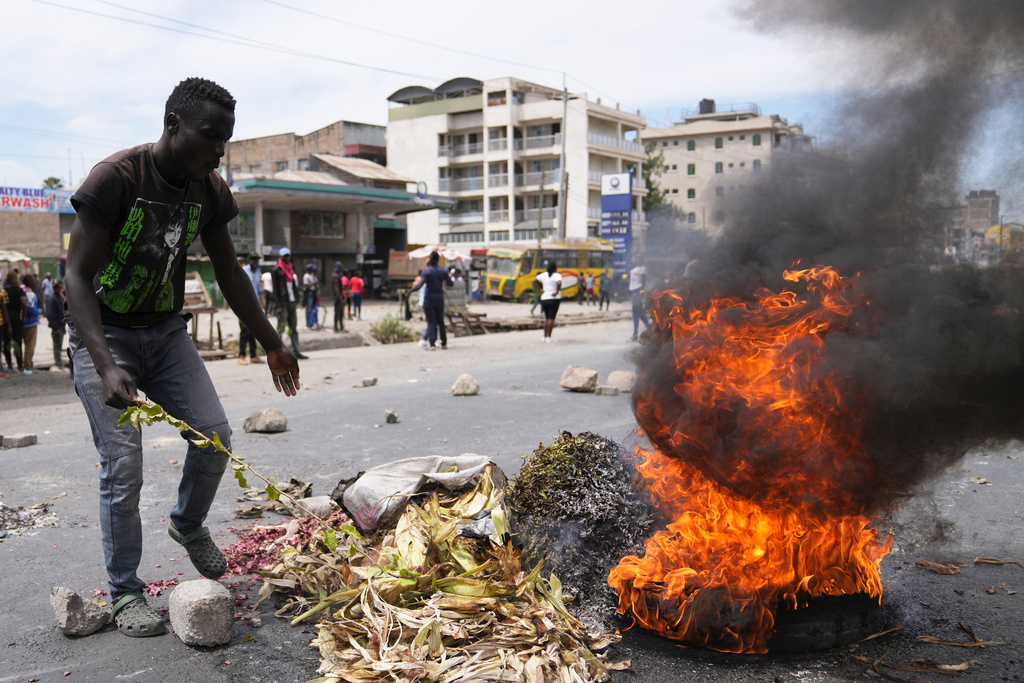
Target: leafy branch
x,y
147,413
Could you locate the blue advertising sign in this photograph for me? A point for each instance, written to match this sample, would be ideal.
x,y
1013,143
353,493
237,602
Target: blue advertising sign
x,y
616,216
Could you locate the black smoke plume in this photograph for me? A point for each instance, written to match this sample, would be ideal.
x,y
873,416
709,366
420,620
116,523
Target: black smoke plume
x,y
937,355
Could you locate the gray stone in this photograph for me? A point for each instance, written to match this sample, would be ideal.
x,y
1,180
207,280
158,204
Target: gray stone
x,y
465,385
623,380
369,381
321,506
605,390
578,378
390,416
75,615
19,440
202,612
268,420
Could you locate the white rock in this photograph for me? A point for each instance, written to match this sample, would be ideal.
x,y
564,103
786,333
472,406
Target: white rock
x,y
369,381
623,380
578,378
202,612
465,385
321,506
266,420
75,615
606,390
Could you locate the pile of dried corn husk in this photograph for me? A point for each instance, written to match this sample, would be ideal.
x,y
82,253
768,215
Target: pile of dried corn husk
x,y
421,602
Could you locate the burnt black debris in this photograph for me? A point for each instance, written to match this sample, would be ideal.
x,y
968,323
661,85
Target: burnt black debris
x,y
576,506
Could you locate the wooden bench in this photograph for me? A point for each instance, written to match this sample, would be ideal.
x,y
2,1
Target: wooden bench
x,y
198,302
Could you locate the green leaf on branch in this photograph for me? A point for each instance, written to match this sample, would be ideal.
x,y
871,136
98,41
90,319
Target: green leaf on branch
x,y
240,478
201,443
331,539
272,492
217,442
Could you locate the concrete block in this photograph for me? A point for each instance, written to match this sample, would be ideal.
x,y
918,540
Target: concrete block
x,y
202,612
605,390
75,615
19,440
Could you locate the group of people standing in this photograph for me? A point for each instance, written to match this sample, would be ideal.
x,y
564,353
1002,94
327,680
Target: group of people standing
x,y
282,292
24,302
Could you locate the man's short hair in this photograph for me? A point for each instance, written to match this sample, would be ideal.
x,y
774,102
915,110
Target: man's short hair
x,y
188,97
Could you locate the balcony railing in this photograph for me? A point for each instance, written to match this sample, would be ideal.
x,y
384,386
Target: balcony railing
x,y
612,141
499,216
497,180
460,218
460,150
549,213
537,177
497,144
531,233
460,184
537,141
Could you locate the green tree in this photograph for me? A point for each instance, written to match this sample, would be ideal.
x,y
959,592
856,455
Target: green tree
x,y
652,170
52,183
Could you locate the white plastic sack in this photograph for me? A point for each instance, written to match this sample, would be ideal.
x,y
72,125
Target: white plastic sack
x,y
381,494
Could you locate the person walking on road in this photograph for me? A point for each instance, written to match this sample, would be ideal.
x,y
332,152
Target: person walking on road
x,y
32,312
5,330
138,212
311,296
604,291
637,287
339,297
550,285
55,316
246,340
15,315
434,278
356,285
286,300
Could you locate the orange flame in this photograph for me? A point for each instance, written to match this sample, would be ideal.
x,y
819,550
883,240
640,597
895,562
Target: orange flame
x,y
757,460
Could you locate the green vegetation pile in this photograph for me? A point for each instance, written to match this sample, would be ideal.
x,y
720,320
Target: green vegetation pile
x,y
575,507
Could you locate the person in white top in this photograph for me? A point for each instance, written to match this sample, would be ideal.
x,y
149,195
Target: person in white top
x,y
637,287
550,284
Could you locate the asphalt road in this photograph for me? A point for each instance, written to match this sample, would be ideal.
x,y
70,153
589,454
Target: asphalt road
x,y
336,430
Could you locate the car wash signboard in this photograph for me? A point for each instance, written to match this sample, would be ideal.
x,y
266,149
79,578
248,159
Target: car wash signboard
x,y
32,199
616,215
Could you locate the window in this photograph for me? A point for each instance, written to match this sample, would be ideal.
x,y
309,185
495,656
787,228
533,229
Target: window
x,y
236,169
719,191
665,143
254,168
691,218
718,167
730,138
757,139
718,143
691,145
322,226
691,193
498,235
743,137
281,166
672,168
719,216
691,169
455,237
730,164
742,164
675,190
303,164
675,143
496,98
757,164
518,97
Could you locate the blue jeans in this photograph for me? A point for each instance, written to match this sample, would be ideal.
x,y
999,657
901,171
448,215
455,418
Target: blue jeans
x,y
311,309
638,312
166,366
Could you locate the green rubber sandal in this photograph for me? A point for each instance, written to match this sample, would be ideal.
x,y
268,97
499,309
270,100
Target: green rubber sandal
x,y
135,618
206,557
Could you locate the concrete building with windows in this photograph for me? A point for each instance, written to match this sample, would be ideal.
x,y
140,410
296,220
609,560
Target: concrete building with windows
x,y
718,150
290,152
503,149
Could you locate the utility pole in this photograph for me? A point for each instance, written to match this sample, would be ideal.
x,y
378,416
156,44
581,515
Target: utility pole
x,y
563,176
540,211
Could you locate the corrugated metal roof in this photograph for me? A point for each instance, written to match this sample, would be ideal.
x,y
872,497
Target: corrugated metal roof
x,y
294,176
362,168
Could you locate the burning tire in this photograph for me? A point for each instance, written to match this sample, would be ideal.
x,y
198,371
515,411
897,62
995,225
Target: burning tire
x,y
829,621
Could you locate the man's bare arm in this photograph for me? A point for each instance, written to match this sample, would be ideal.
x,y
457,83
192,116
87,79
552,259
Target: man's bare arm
x,y
240,295
85,254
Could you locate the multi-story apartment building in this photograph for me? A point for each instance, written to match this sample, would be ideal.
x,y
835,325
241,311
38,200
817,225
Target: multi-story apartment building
x,y
498,146
290,152
716,151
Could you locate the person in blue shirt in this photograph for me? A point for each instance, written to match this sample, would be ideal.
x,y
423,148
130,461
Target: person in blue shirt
x,y
434,278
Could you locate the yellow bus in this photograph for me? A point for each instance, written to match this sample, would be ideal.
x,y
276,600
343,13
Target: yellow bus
x,y
511,268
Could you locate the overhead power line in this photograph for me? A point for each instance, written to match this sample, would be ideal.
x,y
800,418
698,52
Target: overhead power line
x,y
244,42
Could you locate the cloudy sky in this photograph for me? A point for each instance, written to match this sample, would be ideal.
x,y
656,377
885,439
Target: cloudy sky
x,y
85,78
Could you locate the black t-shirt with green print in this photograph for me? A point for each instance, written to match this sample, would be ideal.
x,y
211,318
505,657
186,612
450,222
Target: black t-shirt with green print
x,y
142,277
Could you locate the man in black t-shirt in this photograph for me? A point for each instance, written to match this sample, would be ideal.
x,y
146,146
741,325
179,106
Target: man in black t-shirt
x,y
138,212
